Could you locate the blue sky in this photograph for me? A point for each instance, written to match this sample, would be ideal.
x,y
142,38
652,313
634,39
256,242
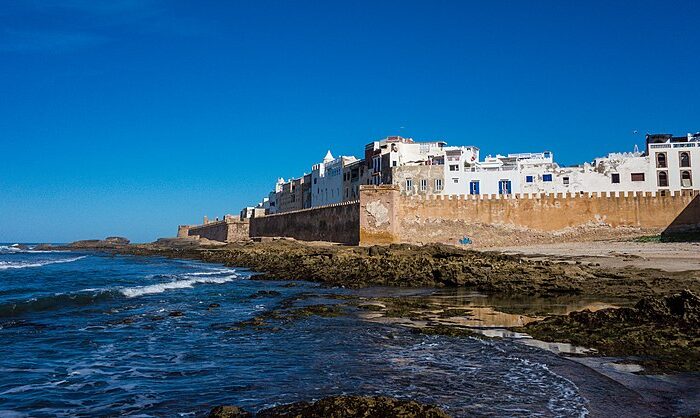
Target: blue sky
x,y
129,117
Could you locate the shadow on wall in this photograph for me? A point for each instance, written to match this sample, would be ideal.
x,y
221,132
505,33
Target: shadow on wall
x,y
686,226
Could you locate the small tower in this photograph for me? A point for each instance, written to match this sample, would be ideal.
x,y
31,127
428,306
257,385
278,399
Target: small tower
x,y
329,157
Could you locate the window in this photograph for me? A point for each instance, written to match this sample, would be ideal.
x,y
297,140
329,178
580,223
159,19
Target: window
x,y
455,180
504,187
663,179
661,160
615,177
409,184
686,179
546,177
393,163
315,181
438,185
454,167
529,179
637,176
376,163
423,185
473,187
566,181
685,159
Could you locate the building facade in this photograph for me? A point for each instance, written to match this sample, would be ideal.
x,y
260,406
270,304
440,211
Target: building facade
x,y
668,164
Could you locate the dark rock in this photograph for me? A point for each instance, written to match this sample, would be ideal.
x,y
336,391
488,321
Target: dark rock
x,y
117,240
264,294
176,313
44,247
229,412
663,332
377,250
355,407
213,305
107,243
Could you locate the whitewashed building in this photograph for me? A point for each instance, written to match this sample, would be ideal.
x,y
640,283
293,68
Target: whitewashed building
x,y
674,161
669,164
327,180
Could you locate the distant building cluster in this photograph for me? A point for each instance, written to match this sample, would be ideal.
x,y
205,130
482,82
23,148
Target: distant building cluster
x,y
668,164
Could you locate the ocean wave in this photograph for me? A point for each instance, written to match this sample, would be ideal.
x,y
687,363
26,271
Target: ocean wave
x,y
4,249
14,249
53,302
211,273
4,265
131,292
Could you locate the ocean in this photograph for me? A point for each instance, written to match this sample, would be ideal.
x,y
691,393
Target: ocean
x,y
89,334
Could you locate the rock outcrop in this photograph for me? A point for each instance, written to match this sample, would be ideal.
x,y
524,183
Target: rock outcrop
x,y
663,333
340,407
109,242
428,266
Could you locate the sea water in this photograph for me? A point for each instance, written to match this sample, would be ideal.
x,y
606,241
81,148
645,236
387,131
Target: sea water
x,y
92,334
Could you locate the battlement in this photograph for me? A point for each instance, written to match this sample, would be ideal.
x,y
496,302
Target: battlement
x,y
540,196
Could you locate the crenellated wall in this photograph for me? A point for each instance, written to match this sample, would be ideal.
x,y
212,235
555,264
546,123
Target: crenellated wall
x,y
228,230
333,223
384,215
487,220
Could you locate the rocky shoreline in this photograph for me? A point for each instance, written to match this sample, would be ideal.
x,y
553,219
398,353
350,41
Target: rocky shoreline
x,y
651,331
339,407
417,266
660,334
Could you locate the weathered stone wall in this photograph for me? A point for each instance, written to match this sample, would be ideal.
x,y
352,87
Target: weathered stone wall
x,y
378,219
388,216
228,230
183,231
333,223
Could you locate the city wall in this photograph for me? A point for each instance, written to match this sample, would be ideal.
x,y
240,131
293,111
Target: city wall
x,y
334,223
386,216
383,215
228,230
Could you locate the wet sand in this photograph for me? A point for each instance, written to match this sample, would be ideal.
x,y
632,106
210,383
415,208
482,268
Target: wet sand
x,y
670,257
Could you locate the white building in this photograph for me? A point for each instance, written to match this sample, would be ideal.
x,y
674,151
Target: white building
x,y
327,180
674,161
670,164
465,174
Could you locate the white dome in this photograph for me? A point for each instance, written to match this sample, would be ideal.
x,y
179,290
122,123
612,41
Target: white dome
x,y
329,157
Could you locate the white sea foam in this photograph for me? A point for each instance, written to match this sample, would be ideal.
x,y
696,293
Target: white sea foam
x,y
4,265
14,248
210,273
131,292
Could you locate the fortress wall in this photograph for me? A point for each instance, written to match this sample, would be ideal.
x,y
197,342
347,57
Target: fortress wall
x,y
332,223
388,216
228,230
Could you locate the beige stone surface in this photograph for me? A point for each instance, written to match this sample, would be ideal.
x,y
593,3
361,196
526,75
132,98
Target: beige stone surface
x,y
672,256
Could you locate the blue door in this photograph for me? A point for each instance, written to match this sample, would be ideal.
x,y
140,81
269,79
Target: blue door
x,y
504,187
474,187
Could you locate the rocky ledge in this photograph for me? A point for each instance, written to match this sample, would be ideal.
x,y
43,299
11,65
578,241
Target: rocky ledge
x,y
339,407
425,266
662,334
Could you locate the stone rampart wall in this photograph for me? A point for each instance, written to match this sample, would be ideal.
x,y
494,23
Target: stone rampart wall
x,y
387,216
228,230
333,223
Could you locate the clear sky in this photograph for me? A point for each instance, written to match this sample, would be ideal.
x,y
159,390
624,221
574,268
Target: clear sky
x,y
129,117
